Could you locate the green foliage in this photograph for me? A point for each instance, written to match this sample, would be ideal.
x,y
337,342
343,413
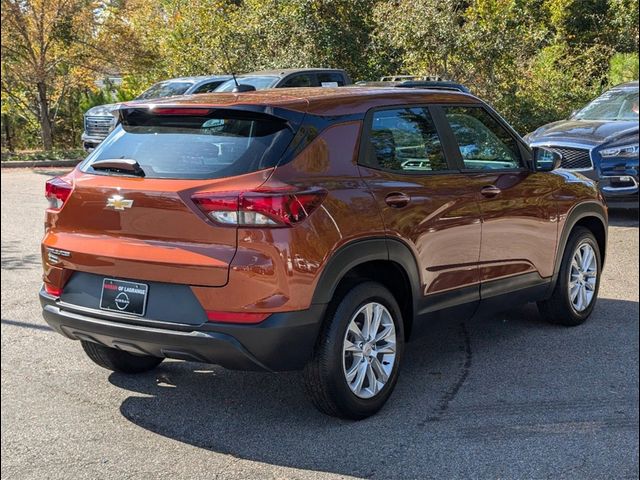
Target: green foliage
x,y
534,60
548,89
623,67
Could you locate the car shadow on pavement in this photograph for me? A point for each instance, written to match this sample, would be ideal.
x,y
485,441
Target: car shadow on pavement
x,y
623,218
267,418
13,259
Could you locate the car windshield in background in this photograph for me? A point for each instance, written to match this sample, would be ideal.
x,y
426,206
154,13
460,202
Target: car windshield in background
x,y
259,82
196,146
611,105
164,89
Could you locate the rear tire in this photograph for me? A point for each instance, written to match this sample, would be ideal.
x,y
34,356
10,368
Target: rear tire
x,y
567,305
119,360
355,362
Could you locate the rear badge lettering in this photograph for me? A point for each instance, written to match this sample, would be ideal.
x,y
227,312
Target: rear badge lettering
x,y
54,254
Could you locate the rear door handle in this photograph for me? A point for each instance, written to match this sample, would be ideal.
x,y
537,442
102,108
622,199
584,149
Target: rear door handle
x,y
397,200
490,191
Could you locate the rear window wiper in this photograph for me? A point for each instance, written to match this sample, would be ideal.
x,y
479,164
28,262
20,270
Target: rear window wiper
x,y
119,165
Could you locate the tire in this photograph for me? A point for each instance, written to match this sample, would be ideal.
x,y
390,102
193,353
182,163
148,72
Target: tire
x,y
119,360
325,376
560,308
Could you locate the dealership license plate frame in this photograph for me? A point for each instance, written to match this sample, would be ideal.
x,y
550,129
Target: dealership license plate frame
x,y
137,299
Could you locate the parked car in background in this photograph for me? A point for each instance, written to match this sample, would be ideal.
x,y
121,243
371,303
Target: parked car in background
x,y
311,228
405,78
98,121
289,77
601,142
428,84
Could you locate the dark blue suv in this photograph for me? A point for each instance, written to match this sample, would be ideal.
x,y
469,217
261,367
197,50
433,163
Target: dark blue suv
x,y
601,142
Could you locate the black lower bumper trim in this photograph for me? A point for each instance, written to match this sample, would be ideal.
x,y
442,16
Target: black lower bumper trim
x,y
284,341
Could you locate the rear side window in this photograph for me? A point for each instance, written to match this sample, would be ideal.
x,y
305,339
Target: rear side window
x,y
259,82
302,80
212,146
208,87
484,144
330,79
404,140
164,89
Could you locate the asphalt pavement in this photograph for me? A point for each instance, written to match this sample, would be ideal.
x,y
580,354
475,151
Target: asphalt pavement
x,y
511,397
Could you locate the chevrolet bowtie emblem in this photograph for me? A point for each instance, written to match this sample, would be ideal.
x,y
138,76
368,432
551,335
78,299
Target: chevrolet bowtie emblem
x,y
117,202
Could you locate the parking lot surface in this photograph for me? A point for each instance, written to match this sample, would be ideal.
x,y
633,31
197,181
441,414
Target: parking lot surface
x,y
510,397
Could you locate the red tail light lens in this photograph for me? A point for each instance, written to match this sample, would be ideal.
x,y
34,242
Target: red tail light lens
x,y
236,317
57,191
260,208
53,291
181,111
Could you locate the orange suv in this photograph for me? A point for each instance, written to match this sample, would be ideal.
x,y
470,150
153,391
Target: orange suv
x,y
311,228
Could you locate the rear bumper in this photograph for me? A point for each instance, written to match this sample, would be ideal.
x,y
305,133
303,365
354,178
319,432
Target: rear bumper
x,y
284,341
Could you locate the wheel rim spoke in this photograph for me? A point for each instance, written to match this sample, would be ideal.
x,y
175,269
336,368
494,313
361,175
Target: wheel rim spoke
x,y
351,374
351,347
368,318
379,370
574,293
372,380
361,374
355,330
384,333
375,322
387,348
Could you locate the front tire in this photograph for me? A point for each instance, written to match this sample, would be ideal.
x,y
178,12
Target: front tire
x,y
356,359
119,360
576,290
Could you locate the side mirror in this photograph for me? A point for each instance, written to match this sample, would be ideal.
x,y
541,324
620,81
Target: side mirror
x,y
546,159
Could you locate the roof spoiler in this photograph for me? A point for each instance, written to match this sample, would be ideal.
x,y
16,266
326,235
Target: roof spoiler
x,y
133,114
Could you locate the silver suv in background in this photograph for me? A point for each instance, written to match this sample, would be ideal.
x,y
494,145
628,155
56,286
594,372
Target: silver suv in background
x,y
98,121
288,78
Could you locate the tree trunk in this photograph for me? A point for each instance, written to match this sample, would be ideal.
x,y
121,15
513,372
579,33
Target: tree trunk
x,y
8,136
46,129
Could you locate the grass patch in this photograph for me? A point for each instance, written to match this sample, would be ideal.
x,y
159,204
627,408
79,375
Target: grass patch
x,y
41,155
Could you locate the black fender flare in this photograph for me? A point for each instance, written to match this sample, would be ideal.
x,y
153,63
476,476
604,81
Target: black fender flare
x,y
359,252
583,210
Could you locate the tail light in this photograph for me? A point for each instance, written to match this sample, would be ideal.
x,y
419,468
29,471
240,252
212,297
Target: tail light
x,y
53,291
57,191
181,111
236,317
260,208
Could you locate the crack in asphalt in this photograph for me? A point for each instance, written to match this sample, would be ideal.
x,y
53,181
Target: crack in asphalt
x,y
450,394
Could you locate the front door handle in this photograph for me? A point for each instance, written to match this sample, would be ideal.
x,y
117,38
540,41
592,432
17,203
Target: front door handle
x,y
397,200
490,191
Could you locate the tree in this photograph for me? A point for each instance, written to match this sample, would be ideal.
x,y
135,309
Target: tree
x,y
426,33
50,47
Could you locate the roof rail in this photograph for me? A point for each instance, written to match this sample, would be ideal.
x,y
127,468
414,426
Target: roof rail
x,y
434,85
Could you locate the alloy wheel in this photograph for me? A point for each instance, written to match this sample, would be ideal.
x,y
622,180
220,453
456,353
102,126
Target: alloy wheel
x,y
583,276
369,350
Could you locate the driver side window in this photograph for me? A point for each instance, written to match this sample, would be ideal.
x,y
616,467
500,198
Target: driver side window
x,y
484,144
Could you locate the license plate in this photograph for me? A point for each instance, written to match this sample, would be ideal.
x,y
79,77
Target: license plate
x,y
123,297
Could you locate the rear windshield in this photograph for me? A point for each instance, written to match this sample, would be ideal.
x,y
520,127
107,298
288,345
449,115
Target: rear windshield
x,y
212,146
164,89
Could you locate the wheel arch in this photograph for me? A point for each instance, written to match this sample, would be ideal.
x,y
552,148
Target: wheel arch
x,y
591,215
384,260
